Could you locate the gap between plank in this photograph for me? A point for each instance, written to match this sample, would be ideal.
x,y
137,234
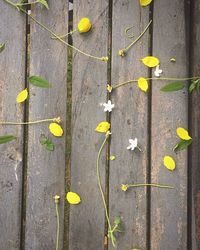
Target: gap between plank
x,y
25,136
68,129
108,115
149,143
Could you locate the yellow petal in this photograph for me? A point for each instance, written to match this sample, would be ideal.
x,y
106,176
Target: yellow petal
x,y
103,127
143,84
22,96
150,61
84,25
55,129
112,157
145,2
183,134
124,187
169,162
73,198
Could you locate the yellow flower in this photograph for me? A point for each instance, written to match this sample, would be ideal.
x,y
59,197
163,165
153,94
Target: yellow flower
x,y
143,84
183,134
150,61
57,119
22,96
145,2
73,198
169,162
55,129
122,52
84,25
109,88
124,187
104,58
103,127
56,198
112,157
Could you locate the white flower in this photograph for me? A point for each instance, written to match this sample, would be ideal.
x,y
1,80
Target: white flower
x,y
108,106
133,144
158,71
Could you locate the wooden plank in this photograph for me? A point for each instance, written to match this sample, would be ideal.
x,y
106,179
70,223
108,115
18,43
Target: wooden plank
x,y
195,131
169,111
12,72
88,91
129,119
46,170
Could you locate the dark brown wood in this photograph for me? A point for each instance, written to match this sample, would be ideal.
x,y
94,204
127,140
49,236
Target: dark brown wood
x,y
46,170
195,130
129,120
169,111
88,92
12,72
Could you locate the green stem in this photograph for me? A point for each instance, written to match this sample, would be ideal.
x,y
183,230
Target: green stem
x,y
63,36
56,36
156,79
25,123
58,227
101,189
151,184
138,38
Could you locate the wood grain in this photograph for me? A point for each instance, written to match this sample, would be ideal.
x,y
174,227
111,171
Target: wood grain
x,y
169,111
129,119
195,130
12,73
46,170
88,91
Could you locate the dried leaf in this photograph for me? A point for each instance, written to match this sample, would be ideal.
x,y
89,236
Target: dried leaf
x,y
145,2
169,163
103,127
22,96
183,134
73,198
55,129
6,138
174,86
150,61
39,82
143,84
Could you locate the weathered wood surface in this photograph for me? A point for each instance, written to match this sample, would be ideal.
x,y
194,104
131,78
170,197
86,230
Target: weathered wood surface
x,y
46,170
129,119
169,111
86,227
194,111
158,220
12,73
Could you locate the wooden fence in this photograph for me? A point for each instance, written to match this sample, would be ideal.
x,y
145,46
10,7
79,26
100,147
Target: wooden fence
x,y
30,176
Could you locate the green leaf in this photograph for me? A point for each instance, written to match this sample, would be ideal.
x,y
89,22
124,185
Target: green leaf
x,y
174,86
2,47
6,138
48,144
39,82
44,2
182,145
117,220
192,86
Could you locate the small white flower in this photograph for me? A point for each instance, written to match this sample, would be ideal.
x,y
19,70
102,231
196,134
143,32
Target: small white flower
x,y
29,12
158,71
133,144
108,106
